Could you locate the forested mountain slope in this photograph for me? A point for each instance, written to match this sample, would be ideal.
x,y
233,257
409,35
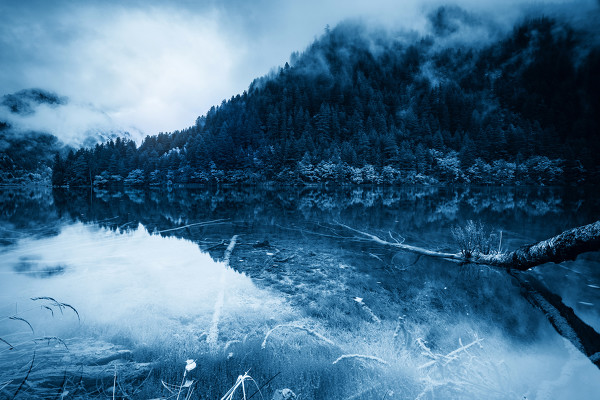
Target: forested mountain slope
x,y
364,105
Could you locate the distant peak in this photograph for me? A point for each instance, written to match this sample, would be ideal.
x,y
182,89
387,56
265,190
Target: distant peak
x,y
24,101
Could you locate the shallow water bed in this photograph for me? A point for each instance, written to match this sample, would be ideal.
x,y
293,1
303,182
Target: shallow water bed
x,y
244,279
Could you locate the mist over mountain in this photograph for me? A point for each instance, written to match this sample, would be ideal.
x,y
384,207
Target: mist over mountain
x,y
470,101
74,124
37,124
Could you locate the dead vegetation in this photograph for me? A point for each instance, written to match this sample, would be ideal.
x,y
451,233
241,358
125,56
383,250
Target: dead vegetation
x,y
476,247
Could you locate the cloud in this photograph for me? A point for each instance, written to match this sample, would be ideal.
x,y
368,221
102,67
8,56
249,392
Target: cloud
x,y
75,124
149,69
154,66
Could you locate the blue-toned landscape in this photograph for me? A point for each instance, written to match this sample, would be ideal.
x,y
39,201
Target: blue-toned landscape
x,y
299,200
264,280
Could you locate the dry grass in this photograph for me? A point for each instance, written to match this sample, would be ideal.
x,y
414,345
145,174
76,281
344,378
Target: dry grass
x,y
240,383
474,238
352,369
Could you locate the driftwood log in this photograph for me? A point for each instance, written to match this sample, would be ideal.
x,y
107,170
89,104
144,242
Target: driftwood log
x,y
563,247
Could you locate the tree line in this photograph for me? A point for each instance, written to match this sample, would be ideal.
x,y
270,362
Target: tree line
x,y
359,106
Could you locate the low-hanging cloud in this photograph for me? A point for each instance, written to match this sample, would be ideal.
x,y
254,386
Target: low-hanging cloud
x,y
75,124
122,68
149,66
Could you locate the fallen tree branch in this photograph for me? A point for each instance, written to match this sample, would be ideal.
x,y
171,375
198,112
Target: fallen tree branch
x,y
563,247
402,246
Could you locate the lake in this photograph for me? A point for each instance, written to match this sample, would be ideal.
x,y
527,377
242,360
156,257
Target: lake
x,y
108,293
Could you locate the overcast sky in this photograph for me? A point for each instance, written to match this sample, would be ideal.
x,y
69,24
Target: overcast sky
x,y
154,66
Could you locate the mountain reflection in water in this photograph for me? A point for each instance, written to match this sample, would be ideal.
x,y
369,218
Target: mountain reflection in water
x,y
295,296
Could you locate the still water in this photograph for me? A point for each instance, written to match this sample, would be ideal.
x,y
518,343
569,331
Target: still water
x,y
105,287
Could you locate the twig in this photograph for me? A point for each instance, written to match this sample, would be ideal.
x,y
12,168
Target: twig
x,y
309,331
114,383
402,246
4,384
360,356
24,320
9,345
221,243
61,389
450,356
141,384
214,222
500,244
265,384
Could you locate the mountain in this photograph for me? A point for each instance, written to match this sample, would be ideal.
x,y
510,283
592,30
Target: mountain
x,y
25,101
26,157
27,154
465,103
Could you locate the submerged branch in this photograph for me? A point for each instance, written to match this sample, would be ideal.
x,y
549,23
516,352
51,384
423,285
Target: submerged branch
x,y
563,247
402,246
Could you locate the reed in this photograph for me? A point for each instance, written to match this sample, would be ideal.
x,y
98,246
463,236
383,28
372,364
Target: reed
x,y
240,382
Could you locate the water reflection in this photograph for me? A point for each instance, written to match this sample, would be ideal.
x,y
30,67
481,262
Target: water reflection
x,y
141,264
131,281
35,267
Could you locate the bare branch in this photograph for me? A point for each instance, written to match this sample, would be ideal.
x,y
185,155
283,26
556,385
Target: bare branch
x,y
563,247
402,246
